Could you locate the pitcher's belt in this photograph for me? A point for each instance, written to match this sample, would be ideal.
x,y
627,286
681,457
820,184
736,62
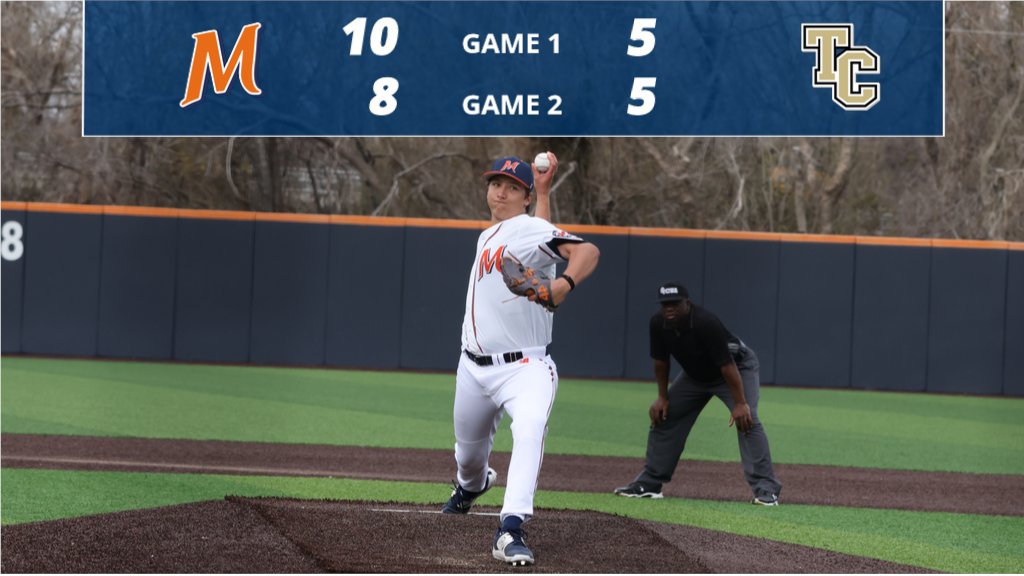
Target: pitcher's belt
x,y
507,357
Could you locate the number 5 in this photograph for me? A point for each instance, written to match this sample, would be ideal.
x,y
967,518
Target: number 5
x,y
641,91
642,32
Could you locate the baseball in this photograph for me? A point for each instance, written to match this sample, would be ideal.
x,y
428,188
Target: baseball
x,y
542,162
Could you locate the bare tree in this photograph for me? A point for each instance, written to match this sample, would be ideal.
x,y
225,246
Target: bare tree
x,y
969,184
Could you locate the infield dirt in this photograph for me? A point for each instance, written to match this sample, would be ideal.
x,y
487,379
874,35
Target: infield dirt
x,y
272,535
802,484
281,535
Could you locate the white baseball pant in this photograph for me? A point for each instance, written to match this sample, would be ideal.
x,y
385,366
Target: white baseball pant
x,y
525,389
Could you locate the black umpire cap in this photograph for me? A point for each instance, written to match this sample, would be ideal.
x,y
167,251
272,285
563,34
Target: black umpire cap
x,y
672,292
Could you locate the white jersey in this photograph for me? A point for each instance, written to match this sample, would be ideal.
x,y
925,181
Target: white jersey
x,y
498,321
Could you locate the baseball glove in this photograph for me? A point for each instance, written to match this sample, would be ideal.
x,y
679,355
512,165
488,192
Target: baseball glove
x,y
529,282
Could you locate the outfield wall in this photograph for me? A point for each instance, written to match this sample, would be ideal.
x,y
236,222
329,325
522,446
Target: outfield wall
x,y
291,289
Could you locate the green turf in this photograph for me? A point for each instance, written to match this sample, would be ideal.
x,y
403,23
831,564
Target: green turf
x,y
389,409
948,542
832,427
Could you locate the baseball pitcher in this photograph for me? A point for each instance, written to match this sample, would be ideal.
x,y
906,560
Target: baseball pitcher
x,y
504,366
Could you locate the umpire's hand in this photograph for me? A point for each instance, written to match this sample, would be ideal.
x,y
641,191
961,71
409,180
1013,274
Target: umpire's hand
x,y
741,416
659,411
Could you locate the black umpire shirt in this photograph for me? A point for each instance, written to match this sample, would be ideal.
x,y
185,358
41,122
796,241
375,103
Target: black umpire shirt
x,y
698,341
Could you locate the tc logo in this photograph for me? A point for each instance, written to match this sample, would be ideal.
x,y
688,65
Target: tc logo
x,y
838,62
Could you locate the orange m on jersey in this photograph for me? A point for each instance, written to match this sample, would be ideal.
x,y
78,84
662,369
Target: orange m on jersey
x,y
489,263
206,55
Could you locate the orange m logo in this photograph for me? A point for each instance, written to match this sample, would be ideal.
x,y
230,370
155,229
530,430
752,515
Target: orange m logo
x,y
206,54
487,263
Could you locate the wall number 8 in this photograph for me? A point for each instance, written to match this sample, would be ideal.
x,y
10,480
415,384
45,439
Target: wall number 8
x,y
11,247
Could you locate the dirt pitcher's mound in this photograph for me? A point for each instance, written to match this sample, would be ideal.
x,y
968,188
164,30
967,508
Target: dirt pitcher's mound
x,y
368,537
206,537
269,535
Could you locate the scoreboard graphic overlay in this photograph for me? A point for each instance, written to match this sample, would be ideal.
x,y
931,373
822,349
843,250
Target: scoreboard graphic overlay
x,y
513,68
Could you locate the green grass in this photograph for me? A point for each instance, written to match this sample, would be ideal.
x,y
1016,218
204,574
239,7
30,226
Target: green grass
x,y
382,409
940,541
390,409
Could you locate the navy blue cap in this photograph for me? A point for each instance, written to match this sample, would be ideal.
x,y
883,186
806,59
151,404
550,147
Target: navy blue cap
x,y
514,168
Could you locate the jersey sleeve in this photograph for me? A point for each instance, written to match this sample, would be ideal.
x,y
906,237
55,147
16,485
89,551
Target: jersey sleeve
x,y
659,348
546,238
715,340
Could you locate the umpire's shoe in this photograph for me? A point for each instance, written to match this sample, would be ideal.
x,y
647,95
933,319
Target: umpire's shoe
x,y
462,499
638,490
510,543
765,500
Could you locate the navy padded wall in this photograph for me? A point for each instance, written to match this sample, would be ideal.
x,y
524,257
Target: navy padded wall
x,y
62,278
214,290
13,277
363,329
890,318
1013,355
136,316
815,314
967,320
290,293
941,319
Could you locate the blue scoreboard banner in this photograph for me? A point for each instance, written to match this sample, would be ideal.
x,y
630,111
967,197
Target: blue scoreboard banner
x,y
513,68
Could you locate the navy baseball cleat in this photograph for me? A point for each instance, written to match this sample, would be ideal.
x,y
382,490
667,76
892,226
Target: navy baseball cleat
x,y
510,545
462,499
638,490
765,500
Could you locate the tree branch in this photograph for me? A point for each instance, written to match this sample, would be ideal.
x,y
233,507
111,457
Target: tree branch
x,y
393,190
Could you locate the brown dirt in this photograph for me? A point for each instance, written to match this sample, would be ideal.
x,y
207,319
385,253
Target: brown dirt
x,y
207,537
274,535
280,535
993,494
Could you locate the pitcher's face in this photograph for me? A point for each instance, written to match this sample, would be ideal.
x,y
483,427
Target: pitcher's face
x,y
506,198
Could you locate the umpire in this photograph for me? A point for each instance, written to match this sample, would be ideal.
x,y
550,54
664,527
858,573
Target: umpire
x,y
715,363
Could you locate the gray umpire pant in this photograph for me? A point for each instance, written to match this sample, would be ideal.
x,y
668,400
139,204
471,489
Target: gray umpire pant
x,y
687,397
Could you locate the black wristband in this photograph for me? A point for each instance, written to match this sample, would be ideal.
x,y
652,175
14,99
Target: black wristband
x,y
572,283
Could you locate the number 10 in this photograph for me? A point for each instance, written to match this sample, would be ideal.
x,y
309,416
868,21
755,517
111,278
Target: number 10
x,y
380,45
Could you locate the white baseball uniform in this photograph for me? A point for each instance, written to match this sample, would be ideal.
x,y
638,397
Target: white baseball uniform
x,y
498,324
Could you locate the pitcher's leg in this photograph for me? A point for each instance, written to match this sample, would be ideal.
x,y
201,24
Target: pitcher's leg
x,y
476,420
528,398
666,440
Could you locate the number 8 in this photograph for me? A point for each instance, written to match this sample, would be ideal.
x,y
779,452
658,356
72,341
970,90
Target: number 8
x,y
384,102
11,247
